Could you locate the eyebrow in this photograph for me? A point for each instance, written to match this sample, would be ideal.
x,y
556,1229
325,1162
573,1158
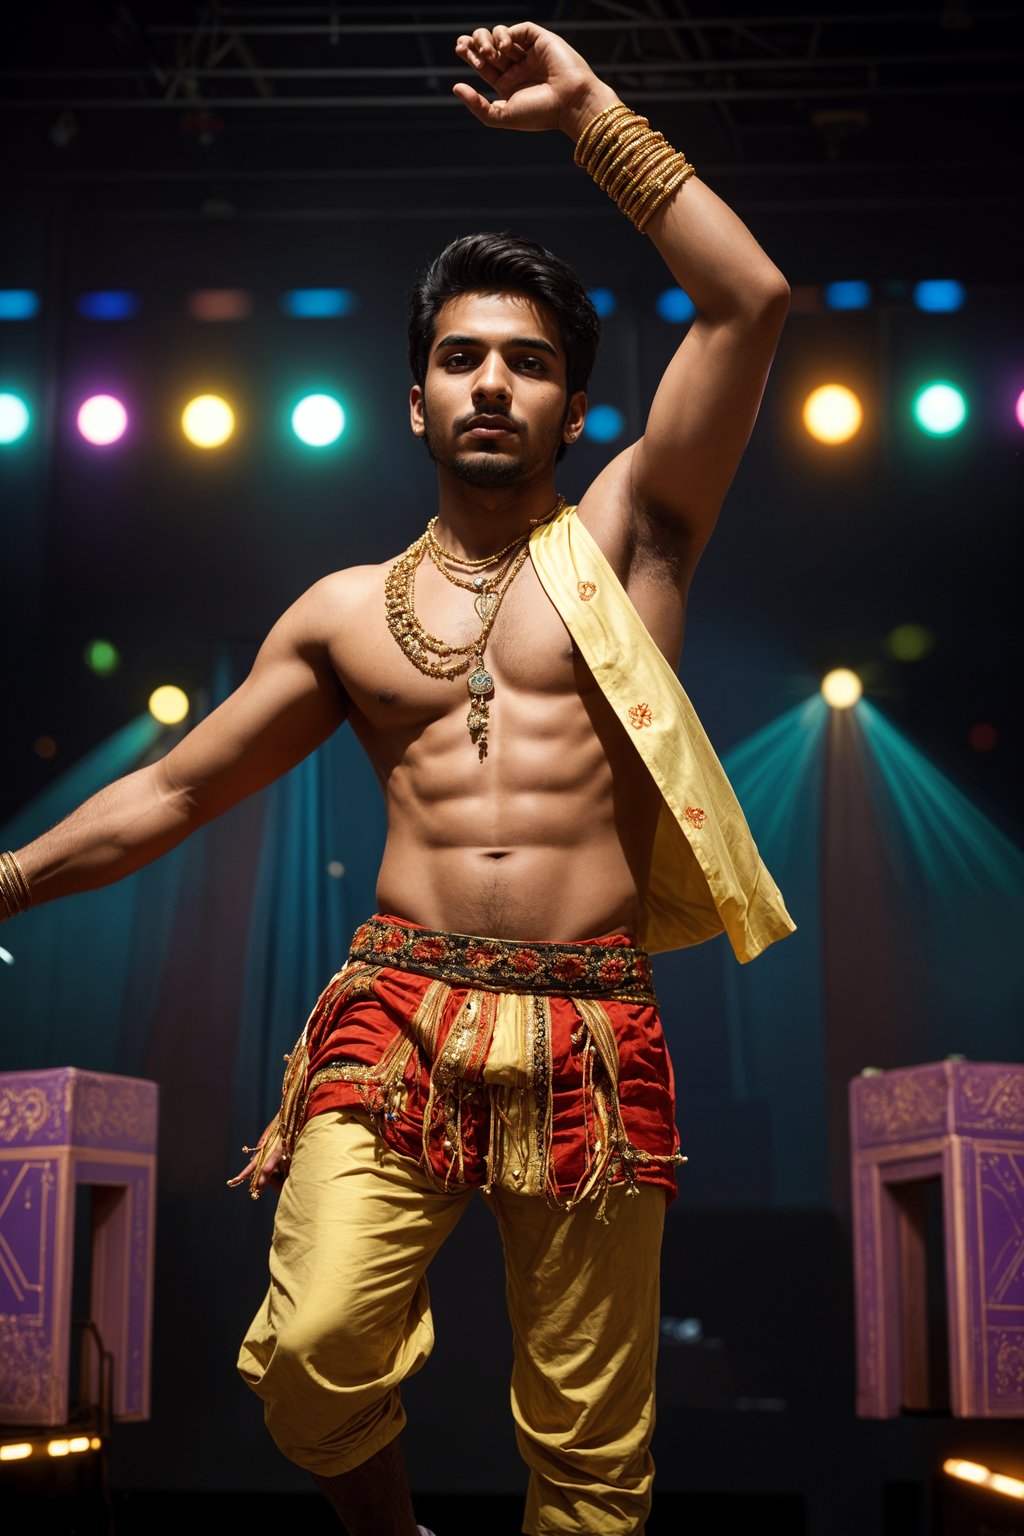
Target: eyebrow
x,y
531,343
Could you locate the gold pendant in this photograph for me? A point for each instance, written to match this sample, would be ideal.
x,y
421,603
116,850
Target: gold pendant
x,y
480,684
486,605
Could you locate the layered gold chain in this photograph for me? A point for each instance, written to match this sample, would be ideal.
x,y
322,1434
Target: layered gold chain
x,y
435,657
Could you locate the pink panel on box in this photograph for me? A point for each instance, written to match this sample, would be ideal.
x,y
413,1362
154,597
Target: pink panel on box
x,y
58,1129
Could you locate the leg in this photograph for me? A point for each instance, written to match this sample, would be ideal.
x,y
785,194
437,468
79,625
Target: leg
x,y
584,1305
373,1499
347,1316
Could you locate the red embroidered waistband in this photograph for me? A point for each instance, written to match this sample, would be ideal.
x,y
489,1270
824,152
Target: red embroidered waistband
x,y
610,969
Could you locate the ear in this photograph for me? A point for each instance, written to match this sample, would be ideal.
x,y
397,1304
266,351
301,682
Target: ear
x,y
576,417
416,421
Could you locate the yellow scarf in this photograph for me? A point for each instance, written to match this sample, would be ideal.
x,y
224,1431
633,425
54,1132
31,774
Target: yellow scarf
x,y
706,875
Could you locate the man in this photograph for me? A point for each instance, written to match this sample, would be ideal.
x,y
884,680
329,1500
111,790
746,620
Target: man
x,y
550,798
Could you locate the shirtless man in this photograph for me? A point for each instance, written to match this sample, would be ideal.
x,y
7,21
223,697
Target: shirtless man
x,y
534,826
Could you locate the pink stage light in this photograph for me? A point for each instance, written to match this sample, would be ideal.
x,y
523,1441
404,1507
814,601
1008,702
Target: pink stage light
x,y
1020,409
102,420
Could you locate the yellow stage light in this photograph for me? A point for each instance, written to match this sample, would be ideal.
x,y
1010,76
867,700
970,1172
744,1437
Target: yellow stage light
x,y
16,1452
168,704
208,421
974,1472
79,1443
841,688
59,1448
833,414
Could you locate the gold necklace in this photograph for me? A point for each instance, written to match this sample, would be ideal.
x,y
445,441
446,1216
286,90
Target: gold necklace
x,y
470,565
452,660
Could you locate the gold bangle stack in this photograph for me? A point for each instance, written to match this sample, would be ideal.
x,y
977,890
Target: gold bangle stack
x,y
14,892
632,162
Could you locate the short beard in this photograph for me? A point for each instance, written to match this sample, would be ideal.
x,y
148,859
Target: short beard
x,y
484,470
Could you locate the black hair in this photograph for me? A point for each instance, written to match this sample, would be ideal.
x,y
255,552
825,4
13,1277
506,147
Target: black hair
x,y
504,263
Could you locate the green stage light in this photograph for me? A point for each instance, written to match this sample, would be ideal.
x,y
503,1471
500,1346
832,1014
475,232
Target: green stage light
x,y
318,420
940,409
909,642
14,417
102,657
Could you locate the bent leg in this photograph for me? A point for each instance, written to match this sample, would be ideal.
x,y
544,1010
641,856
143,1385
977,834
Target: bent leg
x,y
584,1306
347,1315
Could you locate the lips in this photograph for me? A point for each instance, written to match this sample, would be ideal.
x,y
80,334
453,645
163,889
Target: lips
x,y
491,427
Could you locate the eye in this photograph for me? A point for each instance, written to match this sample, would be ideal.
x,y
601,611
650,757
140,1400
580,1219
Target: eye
x,y
458,360
535,364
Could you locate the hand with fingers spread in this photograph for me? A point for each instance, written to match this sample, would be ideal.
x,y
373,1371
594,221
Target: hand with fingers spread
x,y
271,1174
540,82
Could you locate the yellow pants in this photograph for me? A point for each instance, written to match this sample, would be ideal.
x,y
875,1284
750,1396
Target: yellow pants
x,y
347,1318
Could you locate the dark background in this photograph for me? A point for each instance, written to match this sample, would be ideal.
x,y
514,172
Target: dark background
x,y
165,148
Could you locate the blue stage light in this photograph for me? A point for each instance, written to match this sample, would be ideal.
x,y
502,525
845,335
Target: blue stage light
x,y
675,306
604,423
603,300
939,295
109,304
855,294
318,303
18,304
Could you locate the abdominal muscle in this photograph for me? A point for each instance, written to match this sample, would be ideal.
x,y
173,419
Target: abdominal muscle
x,y
549,838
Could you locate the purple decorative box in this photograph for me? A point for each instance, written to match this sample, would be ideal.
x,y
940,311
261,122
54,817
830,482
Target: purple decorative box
x,y
961,1122
58,1129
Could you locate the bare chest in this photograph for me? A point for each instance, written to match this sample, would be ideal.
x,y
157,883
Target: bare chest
x,y
527,650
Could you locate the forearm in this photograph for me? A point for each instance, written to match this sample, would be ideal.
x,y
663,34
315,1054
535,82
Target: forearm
x,y
114,833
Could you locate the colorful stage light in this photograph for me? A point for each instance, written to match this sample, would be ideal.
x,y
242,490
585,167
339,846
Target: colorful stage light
x,y
219,304
847,295
1019,409
675,306
208,421
16,1450
975,1472
319,303
939,295
603,300
841,688
110,304
940,409
18,304
833,414
14,418
318,420
909,642
604,424
102,657
168,704
102,420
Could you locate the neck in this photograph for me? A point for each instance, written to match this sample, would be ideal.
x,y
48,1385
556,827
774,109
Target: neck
x,y
474,521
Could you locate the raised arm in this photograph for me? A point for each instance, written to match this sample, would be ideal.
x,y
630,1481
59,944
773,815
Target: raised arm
x,y
705,406
290,702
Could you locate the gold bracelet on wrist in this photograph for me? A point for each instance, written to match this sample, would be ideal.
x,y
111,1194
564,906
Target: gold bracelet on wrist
x,y
632,162
14,888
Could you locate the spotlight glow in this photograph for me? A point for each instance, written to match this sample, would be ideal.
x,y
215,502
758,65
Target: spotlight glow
x,y
16,1451
109,304
975,1472
603,300
940,409
833,414
1019,409
168,704
208,421
18,304
318,420
102,657
841,688
102,420
14,418
909,642
319,303
939,295
676,306
604,423
847,295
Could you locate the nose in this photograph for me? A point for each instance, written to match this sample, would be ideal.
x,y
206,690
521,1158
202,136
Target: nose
x,y
492,381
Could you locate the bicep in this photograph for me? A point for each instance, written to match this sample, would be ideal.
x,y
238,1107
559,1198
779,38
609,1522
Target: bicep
x,y
288,705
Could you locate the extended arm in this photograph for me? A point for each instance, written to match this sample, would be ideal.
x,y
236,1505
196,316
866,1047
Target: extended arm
x,y
290,702
707,401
